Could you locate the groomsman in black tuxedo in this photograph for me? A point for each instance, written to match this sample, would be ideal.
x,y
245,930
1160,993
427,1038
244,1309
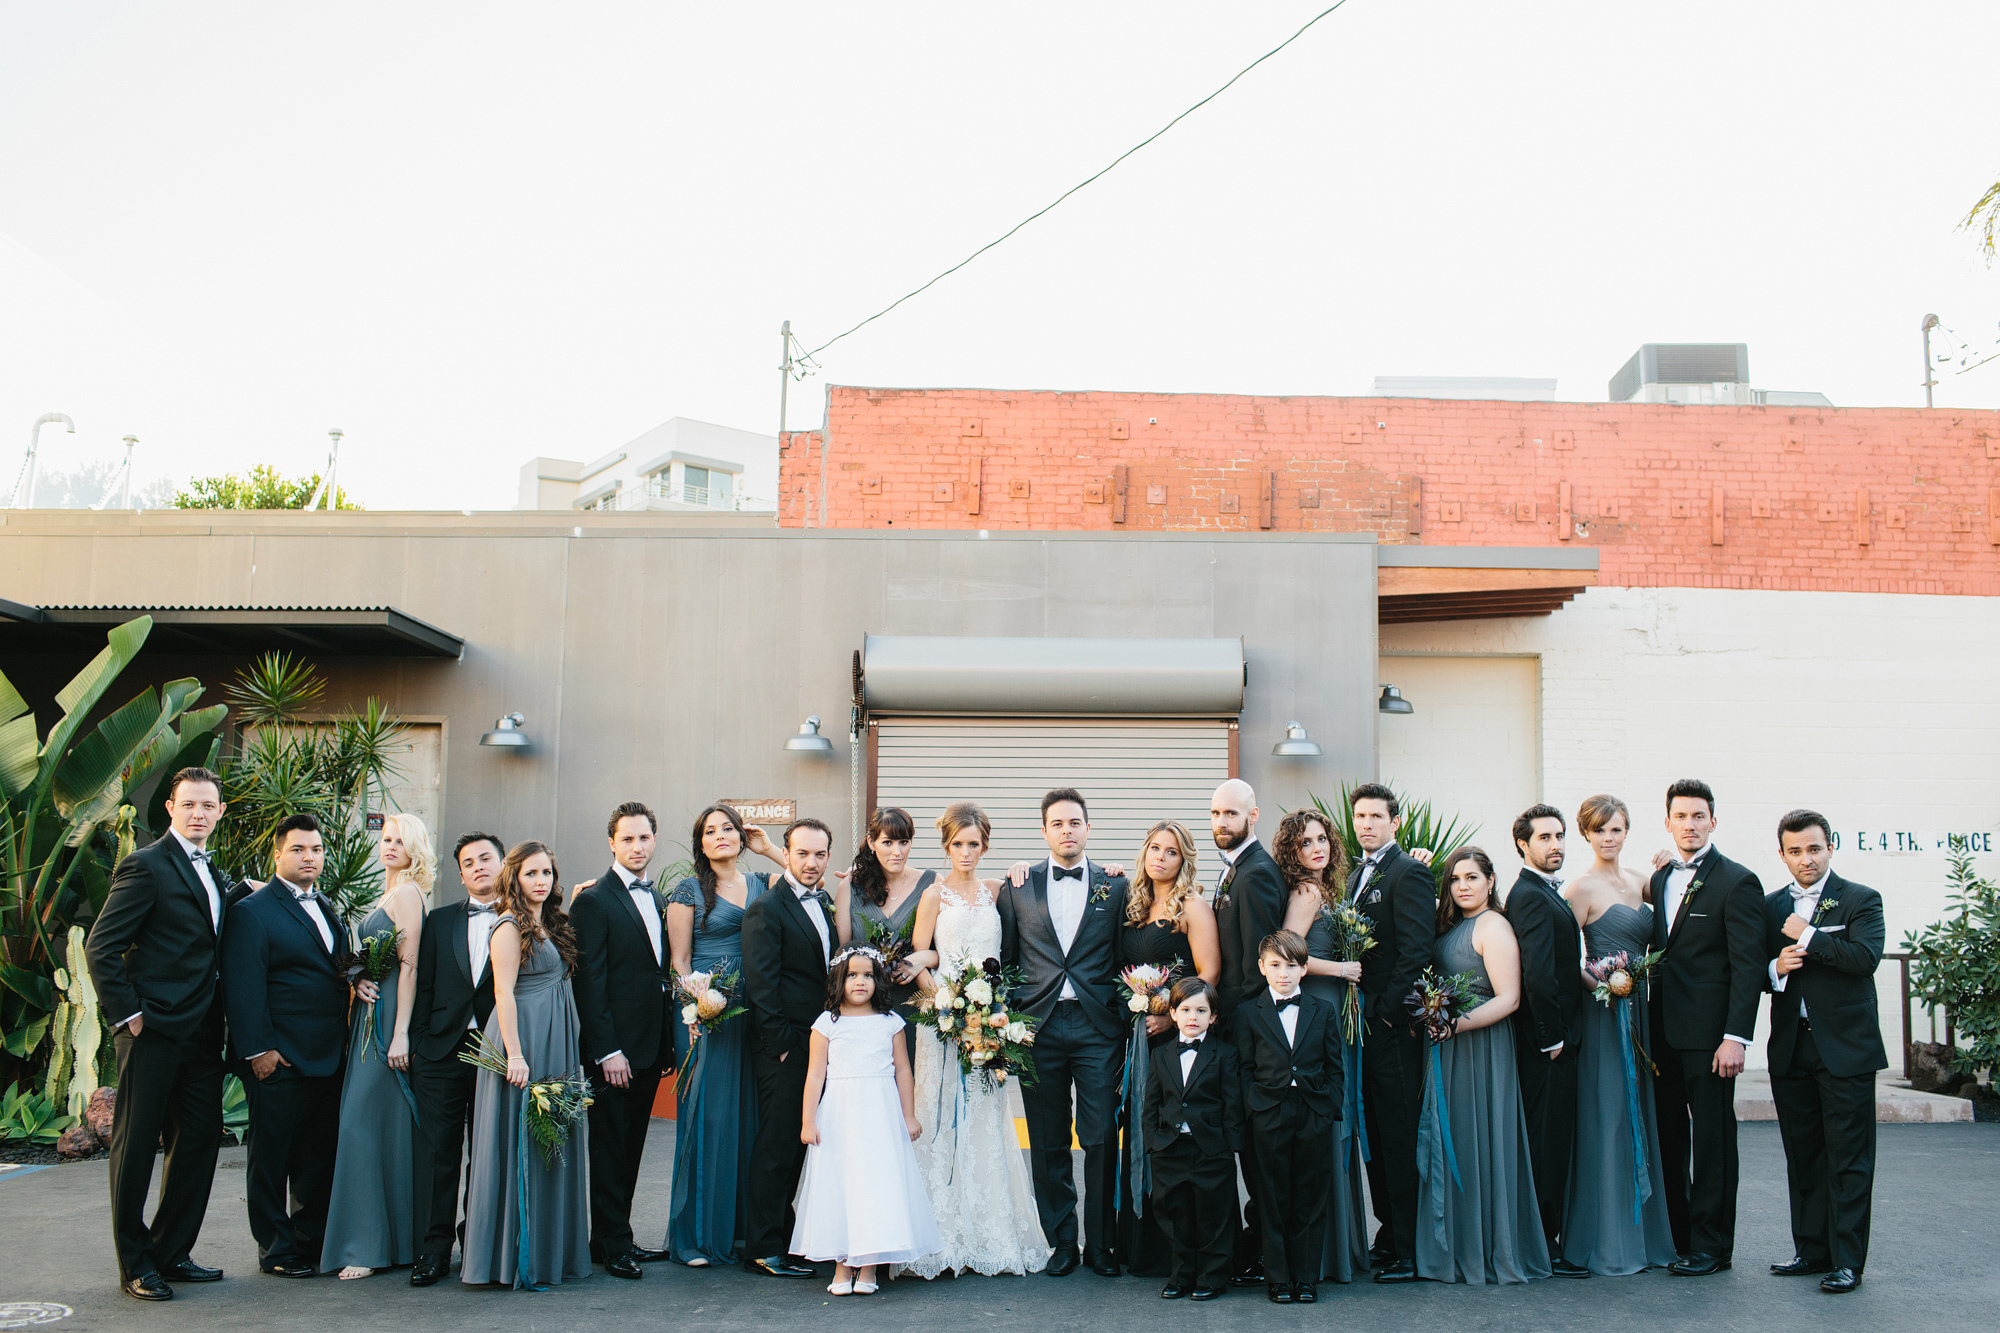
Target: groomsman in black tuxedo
x,y
284,979
452,1001
1545,1026
788,936
1061,929
1250,898
1708,919
628,1032
1824,936
1398,895
154,954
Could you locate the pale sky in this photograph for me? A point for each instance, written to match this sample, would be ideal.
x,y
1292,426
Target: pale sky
x,y
468,234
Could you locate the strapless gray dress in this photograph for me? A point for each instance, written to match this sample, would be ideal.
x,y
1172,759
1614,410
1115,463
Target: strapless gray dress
x,y
1614,1107
508,1183
1478,1222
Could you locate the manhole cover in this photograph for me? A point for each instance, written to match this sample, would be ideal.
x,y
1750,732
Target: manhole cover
x,y
31,1314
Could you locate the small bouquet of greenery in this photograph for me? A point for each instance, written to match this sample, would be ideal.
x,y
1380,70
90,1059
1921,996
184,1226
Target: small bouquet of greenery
x,y
1616,977
551,1106
968,1008
895,946
1436,1003
380,954
1145,987
1353,935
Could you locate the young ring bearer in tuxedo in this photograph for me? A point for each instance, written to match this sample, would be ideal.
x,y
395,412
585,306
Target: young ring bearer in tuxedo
x,y
1194,1129
1824,935
1289,1045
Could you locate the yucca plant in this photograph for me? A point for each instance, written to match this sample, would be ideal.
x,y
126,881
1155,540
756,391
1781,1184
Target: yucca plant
x,y
288,762
1421,827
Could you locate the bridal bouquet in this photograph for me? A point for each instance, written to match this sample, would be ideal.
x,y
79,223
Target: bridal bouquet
x,y
380,953
1145,987
1353,935
1436,1003
549,1107
895,946
968,1008
711,999
1616,977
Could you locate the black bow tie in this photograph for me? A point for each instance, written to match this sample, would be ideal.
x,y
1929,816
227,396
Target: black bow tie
x,y
1288,1002
1066,872
641,886
199,857
1187,1045
473,908
819,896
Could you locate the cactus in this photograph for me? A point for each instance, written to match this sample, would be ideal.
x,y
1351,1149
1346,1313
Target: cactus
x,y
77,1033
122,830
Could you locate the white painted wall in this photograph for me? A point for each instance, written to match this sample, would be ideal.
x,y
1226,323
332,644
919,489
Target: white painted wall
x,y
1879,710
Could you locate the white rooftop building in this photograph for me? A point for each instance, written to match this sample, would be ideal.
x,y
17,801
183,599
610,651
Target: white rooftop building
x,y
679,466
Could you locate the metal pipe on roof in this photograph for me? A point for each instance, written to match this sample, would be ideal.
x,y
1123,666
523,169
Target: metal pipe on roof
x,y
27,477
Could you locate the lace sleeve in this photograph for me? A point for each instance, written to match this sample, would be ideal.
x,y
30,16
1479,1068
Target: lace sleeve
x,y
687,893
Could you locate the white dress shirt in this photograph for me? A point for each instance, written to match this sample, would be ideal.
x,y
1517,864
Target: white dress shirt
x,y
1288,1019
1066,902
648,905
207,882
1555,887
1188,1053
312,909
813,914
1681,874
1229,859
479,945
1369,864
1805,901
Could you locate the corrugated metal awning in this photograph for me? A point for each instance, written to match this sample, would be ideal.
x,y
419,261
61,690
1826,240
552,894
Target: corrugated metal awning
x,y
1052,677
328,631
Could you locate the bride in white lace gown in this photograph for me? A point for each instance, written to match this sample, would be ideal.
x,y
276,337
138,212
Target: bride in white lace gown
x,y
969,1155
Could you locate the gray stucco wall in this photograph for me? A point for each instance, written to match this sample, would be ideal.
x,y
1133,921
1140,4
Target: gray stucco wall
x,y
668,661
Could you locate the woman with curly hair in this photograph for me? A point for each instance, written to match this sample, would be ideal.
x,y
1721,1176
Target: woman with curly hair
x,y
1314,864
527,1220
1169,925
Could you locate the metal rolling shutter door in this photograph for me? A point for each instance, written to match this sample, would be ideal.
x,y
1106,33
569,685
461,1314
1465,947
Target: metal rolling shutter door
x,y
1133,773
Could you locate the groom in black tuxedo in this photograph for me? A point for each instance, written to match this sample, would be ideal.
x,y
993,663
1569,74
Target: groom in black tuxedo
x,y
1708,919
452,1001
788,937
1061,929
284,978
1250,898
154,953
1824,935
1398,895
1545,1026
628,1032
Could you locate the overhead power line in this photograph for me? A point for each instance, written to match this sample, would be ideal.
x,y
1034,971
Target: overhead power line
x,y
1079,185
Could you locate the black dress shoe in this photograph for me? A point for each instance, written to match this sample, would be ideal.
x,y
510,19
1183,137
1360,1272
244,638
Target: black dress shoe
x,y
1207,1293
1104,1263
1063,1262
289,1268
1698,1265
1840,1281
187,1270
646,1256
1564,1268
1381,1256
625,1265
1278,1293
148,1287
1174,1290
779,1265
1305,1293
1253,1276
1802,1268
430,1270
1400,1271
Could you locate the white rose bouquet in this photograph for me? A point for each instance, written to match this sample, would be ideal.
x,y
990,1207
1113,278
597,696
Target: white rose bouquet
x,y
968,1008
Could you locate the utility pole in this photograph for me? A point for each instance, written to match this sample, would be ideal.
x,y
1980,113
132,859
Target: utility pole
x,y
1930,322
785,376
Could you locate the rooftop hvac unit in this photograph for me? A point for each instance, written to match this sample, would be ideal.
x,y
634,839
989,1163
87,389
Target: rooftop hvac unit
x,y
1681,363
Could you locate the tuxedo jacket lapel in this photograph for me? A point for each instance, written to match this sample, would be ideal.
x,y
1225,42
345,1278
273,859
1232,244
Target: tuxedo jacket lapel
x,y
289,901
1038,884
1203,1058
617,886
461,947
797,909
191,880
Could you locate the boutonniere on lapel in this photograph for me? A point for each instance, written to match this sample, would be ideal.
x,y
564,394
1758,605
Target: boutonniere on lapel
x,y
1101,894
1825,905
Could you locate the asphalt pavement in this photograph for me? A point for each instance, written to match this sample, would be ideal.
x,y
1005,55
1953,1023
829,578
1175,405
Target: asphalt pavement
x,y
1933,1267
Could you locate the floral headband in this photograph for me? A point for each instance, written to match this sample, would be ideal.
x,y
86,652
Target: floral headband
x,y
868,951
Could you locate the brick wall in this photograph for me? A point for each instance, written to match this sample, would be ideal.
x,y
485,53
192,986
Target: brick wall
x,y
1848,499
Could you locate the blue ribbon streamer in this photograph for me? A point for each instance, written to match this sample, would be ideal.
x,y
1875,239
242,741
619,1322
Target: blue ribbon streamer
x,y
382,1049
1443,1113
523,1265
1642,1182
688,1136
1132,1100
1353,1109
952,1076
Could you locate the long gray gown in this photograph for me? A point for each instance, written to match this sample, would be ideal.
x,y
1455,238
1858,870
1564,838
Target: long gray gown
x,y
1481,1224
370,1222
1600,1230
1346,1251
507,1178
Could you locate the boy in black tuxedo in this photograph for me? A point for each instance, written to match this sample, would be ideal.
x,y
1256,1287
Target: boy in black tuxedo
x,y
1194,1128
1289,1045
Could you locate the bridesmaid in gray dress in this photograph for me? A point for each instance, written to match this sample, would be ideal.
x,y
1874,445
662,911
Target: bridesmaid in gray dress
x,y
885,888
1602,1229
534,1020
1477,1219
1315,867
370,1221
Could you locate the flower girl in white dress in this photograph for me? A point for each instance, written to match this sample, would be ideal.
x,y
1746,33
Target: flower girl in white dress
x,y
860,1200
970,1155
